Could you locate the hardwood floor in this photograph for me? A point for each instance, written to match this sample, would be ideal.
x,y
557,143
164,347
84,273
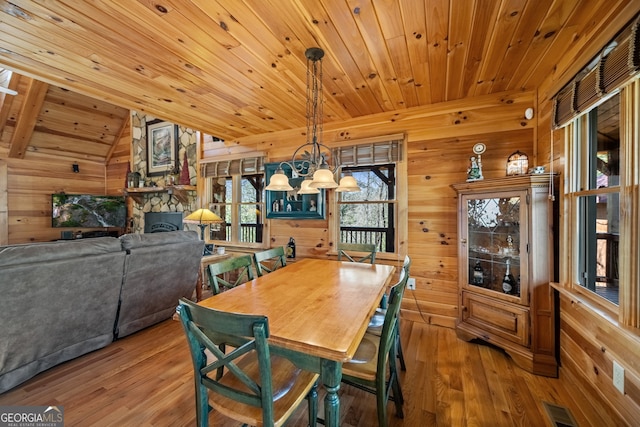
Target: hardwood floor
x,y
145,380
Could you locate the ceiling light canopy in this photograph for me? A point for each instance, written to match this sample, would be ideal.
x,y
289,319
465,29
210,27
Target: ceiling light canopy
x,y
308,160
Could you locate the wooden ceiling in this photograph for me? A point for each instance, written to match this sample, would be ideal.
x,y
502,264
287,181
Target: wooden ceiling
x,y
235,68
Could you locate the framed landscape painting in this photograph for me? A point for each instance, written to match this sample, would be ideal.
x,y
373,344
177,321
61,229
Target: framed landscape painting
x,y
162,147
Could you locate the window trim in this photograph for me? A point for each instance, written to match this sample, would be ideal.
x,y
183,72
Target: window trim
x,y
236,195
401,211
627,312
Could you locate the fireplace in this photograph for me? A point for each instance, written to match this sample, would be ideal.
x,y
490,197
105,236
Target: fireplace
x,y
155,222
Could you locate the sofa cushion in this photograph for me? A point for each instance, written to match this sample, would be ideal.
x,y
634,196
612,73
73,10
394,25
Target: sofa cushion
x,y
52,251
160,269
131,241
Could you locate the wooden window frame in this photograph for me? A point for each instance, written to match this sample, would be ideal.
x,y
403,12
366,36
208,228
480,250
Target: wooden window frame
x,y
236,188
401,203
627,312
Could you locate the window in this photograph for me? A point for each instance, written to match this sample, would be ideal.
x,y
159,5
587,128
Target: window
x,y
377,213
368,216
595,195
235,191
600,112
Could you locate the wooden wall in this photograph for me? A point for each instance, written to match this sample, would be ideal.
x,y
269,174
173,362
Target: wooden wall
x,y
118,162
40,140
29,185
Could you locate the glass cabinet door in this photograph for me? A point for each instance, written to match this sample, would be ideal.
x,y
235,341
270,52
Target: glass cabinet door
x,y
494,242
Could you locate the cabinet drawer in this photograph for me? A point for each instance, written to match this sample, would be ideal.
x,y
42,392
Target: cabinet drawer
x,y
496,318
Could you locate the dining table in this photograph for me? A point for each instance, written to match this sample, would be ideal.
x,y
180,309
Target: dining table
x,y
318,312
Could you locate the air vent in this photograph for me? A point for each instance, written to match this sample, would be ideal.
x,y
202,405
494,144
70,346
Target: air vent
x,y
559,415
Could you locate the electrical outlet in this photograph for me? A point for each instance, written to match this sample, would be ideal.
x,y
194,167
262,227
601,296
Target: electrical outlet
x,y
411,284
618,377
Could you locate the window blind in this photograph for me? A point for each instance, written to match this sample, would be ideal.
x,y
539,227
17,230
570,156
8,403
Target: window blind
x,y
616,64
243,166
372,153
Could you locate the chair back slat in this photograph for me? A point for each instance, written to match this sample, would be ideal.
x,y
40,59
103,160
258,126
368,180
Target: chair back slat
x,y
205,328
239,267
270,260
354,252
391,318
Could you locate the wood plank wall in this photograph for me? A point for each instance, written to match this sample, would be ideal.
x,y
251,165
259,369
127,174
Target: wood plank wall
x,y
116,171
26,186
64,129
30,183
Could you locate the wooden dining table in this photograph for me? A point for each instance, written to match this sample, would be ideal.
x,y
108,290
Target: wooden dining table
x,y
318,312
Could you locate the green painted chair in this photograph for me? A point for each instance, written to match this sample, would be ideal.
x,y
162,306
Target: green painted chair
x,y
230,273
257,387
270,260
373,367
377,320
357,252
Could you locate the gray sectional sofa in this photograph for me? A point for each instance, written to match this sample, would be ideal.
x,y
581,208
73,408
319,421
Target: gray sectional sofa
x,y
59,300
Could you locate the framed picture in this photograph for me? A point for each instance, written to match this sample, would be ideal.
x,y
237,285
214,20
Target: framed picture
x,y
290,204
162,147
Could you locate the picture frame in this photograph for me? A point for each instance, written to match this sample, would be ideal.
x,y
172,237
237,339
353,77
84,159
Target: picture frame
x,y
162,147
289,204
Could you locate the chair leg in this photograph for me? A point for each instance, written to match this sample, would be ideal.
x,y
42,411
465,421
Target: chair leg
x,y
202,405
312,399
394,384
397,395
381,401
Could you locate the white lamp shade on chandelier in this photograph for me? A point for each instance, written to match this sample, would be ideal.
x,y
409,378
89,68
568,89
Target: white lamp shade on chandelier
x,y
323,178
348,184
279,182
306,189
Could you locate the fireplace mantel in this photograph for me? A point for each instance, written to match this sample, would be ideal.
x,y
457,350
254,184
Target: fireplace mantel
x,y
180,192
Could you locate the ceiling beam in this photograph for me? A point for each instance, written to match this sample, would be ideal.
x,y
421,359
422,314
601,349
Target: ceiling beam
x,y
117,138
7,101
26,120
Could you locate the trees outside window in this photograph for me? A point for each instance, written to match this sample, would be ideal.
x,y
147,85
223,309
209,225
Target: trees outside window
x,y
369,215
238,199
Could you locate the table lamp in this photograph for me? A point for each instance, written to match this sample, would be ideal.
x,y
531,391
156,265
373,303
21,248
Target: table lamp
x,y
203,218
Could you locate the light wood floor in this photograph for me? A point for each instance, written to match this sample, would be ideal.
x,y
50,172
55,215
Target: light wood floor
x,y
146,380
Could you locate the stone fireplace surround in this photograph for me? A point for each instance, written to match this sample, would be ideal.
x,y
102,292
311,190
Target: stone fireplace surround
x,y
161,202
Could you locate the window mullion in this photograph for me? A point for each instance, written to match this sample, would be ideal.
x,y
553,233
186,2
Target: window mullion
x,y
630,205
236,197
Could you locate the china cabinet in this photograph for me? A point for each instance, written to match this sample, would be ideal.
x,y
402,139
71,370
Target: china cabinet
x,y
505,229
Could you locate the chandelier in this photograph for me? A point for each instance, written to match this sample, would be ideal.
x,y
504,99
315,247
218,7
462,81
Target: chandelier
x,y
312,162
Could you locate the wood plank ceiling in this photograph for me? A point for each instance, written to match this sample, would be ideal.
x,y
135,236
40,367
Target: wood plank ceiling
x,y
234,68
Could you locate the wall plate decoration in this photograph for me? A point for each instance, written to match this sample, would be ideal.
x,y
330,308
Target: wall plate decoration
x,y
290,204
479,148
